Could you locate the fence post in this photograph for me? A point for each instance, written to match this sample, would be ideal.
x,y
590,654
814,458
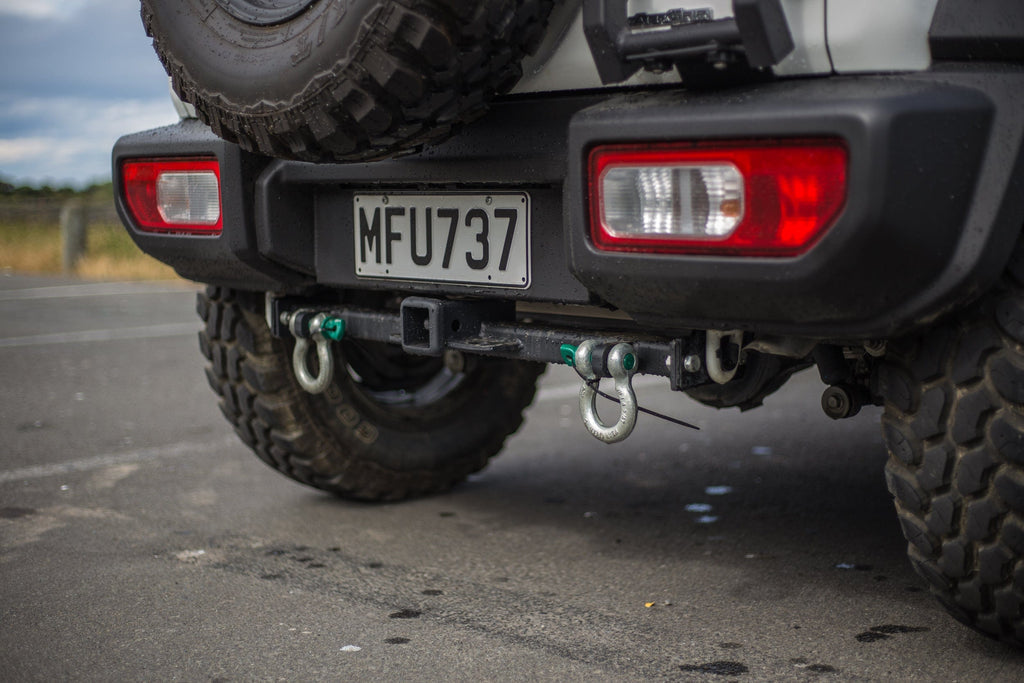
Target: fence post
x,y
73,229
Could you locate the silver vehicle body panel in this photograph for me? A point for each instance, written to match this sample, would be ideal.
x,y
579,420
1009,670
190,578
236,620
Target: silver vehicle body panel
x,y
840,36
879,35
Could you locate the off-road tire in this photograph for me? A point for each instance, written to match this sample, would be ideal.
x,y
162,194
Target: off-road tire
x,y
345,80
345,440
954,426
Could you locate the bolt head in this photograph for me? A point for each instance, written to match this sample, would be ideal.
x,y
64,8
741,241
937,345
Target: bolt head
x,y
836,403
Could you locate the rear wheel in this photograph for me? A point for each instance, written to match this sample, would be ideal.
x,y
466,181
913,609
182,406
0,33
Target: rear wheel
x,y
390,426
954,425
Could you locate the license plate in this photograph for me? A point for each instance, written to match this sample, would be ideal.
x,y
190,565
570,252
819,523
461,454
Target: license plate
x,y
476,239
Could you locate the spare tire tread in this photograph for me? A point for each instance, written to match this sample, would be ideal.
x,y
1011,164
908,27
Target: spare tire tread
x,y
424,68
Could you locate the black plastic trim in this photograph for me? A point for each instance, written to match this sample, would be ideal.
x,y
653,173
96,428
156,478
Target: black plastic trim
x,y
913,240
520,146
758,30
936,203
232,258
979,30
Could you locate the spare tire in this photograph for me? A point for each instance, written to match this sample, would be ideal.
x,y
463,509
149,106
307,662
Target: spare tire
x,y
341,80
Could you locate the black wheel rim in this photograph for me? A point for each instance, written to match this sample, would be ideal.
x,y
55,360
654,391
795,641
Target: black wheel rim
x,y
265,12
390,377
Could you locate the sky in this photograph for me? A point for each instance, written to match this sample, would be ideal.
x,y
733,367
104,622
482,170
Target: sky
x,y
74,76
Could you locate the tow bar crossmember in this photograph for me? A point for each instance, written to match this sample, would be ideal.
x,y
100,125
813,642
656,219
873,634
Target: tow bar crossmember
x,y
435,327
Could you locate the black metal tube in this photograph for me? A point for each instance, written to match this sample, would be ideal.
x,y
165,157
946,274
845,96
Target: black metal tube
x,y
719,32
510,340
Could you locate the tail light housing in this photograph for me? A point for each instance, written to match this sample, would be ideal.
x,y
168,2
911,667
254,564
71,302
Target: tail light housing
x,y
736,198
174,195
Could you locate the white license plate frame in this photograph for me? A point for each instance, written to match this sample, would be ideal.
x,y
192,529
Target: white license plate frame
x,y
465,238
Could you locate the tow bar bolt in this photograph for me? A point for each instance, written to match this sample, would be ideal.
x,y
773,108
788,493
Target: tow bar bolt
x,y
321,329
621,364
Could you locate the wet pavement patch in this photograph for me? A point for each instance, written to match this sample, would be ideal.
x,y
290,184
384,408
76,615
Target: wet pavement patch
x,y
405,614
896,628
719,668
802,663
14,513
856,567
886,631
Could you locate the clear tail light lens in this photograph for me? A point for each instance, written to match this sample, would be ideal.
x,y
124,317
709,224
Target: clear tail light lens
x,y
174,195
735,198
703,201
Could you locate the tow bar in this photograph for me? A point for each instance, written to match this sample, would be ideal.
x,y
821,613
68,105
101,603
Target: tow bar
x,y
433,327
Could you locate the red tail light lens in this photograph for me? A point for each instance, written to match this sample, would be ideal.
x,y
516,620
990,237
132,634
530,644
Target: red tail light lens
x,y
174,195
730,198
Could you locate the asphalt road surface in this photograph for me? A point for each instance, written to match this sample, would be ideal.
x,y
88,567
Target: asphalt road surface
x,y
139,540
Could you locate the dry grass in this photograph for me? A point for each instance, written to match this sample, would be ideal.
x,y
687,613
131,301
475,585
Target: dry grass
x,y
110,253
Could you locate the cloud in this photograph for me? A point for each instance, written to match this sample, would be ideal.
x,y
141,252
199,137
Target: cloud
x,y
77,74
42,9
101,49
72,137
22,149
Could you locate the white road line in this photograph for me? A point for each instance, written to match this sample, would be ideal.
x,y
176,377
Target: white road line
x,y
147,332
110,460
95,289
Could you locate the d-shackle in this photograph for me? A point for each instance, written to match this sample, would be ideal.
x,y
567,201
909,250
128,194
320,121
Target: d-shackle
x,y
622,364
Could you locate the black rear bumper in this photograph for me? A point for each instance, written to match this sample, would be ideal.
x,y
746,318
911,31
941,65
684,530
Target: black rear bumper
x,y
935,203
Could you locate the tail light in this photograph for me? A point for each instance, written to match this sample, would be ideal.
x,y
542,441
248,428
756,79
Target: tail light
x,y
729,198
174,195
